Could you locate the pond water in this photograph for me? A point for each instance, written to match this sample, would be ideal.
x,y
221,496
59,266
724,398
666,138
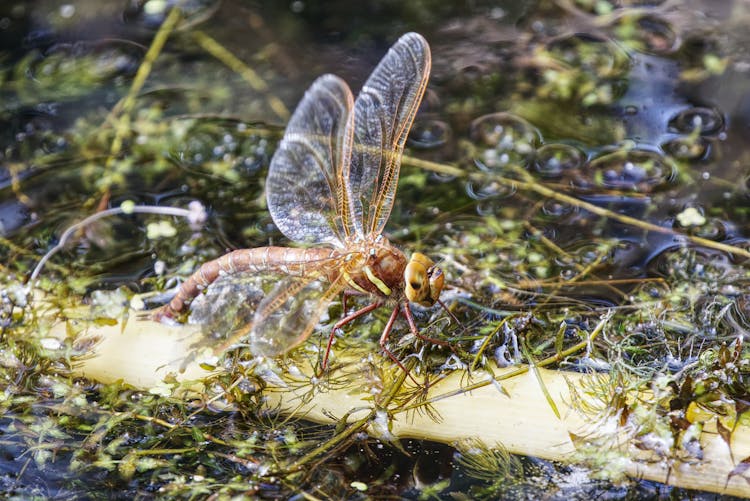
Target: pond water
x,y
570,158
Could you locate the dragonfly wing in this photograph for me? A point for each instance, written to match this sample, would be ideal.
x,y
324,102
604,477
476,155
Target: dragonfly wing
x,y
227,307
304,195
286,316
383,114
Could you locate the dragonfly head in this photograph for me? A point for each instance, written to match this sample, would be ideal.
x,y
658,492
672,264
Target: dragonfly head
x,y
423,280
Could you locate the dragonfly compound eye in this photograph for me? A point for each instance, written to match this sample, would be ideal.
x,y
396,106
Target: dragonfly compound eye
x,y
423,282
437,281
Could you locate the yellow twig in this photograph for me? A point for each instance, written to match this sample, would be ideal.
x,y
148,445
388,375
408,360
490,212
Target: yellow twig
x,y
125,106
248,74
529,184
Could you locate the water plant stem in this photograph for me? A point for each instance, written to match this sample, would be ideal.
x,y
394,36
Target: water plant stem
x,y
528,183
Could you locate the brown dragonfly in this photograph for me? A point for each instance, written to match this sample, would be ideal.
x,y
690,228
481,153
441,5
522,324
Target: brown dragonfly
x,y
332,183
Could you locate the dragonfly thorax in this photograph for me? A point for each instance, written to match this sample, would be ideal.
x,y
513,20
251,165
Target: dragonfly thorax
x,y
378,269
383,270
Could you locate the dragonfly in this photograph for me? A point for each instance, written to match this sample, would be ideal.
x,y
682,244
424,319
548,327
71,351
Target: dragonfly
x,y
331,186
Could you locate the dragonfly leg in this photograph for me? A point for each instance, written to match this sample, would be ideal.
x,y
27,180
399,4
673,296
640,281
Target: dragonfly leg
x,y
344,296
414,330
384,339
343,322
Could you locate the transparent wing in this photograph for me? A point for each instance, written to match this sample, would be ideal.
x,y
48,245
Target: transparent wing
x,y
273,311
227,307
305,197
383,114
287,316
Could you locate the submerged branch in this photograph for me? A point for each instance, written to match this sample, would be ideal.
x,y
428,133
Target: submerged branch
x,y
516,414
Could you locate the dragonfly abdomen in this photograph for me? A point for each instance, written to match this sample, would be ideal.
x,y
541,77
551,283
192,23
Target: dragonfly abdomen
x,y
286,260
289,261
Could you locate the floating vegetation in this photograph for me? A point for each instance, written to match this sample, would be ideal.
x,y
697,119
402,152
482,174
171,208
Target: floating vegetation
x,y
578,169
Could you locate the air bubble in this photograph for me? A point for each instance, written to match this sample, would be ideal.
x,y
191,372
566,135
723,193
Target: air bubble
x,y
503,138
427,134
628,170
552,160
707,121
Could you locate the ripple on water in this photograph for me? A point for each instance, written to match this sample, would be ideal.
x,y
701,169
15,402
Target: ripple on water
x,y
700,266
688,148
429,133
230,143
641,171
68,70
149,14
503,138
705,121
555,159
646,32
595,55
